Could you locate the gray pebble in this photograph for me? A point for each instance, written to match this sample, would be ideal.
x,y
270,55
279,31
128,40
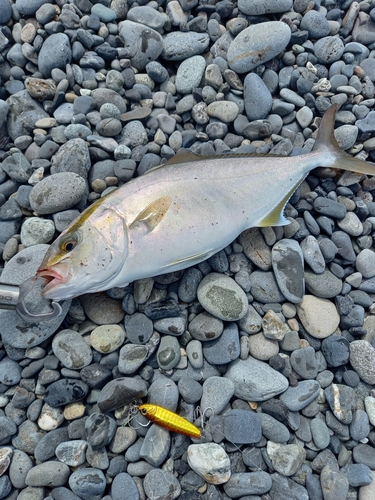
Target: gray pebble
x,y
273,430
256,45
88,483
328,49
57,192
316,24
304,362
224,349
159,484
168,354
189,74
287,263
178,46
55,53
298,397
72,351
242,484
48,474
325,285
242,427
255,380
257,97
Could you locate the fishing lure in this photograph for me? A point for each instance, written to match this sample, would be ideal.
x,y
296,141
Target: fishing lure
x,y
169,420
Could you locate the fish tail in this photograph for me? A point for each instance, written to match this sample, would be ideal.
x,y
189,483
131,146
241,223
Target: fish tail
x,y
326,143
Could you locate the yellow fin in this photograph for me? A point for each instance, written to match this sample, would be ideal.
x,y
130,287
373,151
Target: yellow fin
x,y
153,214
276,216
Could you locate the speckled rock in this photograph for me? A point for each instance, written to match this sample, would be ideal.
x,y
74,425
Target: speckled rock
x,y
222,297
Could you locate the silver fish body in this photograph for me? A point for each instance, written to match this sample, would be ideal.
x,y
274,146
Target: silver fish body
x,y
179,214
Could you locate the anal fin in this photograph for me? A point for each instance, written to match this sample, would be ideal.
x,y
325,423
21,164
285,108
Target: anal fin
x,y
276,216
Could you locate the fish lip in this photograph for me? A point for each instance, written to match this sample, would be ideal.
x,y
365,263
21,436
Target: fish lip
x,y
54,278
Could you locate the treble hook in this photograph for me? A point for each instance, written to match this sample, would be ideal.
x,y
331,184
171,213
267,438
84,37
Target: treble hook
x,y
13,297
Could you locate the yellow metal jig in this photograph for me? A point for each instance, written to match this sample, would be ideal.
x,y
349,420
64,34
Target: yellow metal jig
x,y
169,420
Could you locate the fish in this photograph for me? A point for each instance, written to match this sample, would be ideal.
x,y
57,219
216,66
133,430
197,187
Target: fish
x,y
178,214
169,420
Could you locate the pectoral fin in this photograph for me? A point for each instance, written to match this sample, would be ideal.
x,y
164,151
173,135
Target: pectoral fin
x,y
276,216
192,259
153,214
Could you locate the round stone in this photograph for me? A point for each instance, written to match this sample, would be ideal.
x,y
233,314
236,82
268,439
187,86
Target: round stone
x,y
35,231
107,338
318,316
222,297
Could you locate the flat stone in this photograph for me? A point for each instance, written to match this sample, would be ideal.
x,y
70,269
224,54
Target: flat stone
x,y
222,297
242,427
255,380
256,45
298,397
242,484
224,349
287,263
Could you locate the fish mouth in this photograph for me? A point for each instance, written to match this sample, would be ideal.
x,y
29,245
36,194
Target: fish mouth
x,y
53,278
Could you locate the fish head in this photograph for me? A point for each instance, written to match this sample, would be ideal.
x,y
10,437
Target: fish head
x,y
87,256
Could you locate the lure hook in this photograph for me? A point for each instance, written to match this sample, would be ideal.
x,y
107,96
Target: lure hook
x,y
25,288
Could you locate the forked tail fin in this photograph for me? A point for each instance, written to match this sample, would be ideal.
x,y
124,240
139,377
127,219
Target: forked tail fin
x,y
325,141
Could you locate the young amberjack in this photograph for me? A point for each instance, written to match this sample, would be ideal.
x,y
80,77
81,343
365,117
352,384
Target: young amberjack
x,y
181,213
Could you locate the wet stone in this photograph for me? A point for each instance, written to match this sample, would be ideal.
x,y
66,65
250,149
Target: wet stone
x,y
65,391
359,426
357,474
287,263
156,445
284,488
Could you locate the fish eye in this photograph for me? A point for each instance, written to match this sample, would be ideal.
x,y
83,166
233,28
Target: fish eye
x,y
144,411
68,245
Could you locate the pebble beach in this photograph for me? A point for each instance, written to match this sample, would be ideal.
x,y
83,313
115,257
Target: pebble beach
x,y
268,347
